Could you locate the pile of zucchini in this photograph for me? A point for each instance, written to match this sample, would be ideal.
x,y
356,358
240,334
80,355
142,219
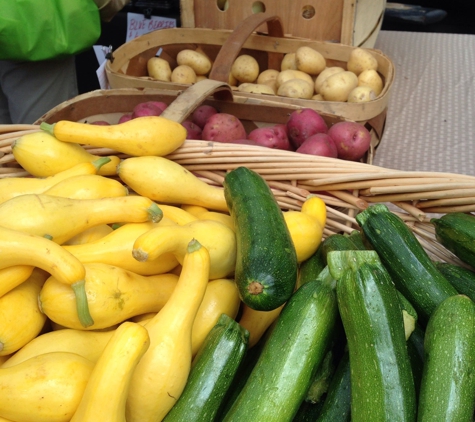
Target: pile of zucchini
x,y
372,328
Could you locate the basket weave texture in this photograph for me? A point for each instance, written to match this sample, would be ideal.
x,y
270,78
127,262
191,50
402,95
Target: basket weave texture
x,y
346,187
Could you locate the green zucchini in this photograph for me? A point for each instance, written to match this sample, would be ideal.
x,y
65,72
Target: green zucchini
x,y
213,368
358,239
382,385
266,262
461,278
291,356
456,232
448,379
337,404
311,267
337,242
415,348
408,264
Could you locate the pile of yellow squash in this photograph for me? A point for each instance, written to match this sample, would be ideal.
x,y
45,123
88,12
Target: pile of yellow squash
x,y
112,272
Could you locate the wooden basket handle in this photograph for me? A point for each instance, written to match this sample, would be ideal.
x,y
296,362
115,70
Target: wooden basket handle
x,y
233,45
192,97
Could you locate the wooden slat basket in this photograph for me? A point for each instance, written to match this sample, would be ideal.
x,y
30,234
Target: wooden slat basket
x,y
128,65
350,22
346,187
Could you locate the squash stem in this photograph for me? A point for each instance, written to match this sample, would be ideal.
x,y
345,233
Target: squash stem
x,y
100,162
156,214
193,246
47,127
82,306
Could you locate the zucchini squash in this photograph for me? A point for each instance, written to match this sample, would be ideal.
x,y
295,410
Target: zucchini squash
x,y
382,385
460,277
408,264
212,371
448,379
290,358
456,231
266,261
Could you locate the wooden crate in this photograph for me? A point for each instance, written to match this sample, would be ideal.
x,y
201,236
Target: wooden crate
x,y
350,22
128,66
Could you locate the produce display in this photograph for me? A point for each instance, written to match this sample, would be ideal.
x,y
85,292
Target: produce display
x,y
303,74
133,289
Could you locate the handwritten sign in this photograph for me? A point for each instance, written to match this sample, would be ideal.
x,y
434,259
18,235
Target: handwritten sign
x,y
138,24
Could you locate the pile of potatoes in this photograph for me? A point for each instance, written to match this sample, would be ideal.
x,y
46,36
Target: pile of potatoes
x,y
303,74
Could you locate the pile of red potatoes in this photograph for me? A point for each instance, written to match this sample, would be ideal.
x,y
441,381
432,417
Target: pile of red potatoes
x,y
305,131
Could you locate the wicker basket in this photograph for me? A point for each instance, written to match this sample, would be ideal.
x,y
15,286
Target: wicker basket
x,y
346,187
128,66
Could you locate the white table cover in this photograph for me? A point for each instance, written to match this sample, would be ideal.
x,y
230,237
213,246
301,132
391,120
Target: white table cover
x,y
430,124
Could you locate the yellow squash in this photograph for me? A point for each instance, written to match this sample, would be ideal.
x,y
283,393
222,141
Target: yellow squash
x,y
315,207
62,218
90,235
46,388
176,214
20,317
88,186
196,210
11,277
219,216
216,237
306,226
113,295
20,248
88,344
116,249
106,392
162,373
14,186
305,232
42,155
166,181
149,135
221,297
257,322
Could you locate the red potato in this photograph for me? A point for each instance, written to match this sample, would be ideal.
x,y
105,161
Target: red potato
x,y
149,108
125,118
271,137
201,115
352,140
223,127
304,123
192,131
319,144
